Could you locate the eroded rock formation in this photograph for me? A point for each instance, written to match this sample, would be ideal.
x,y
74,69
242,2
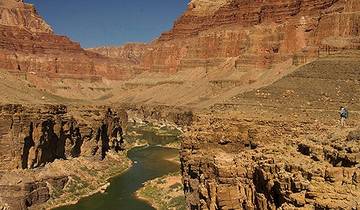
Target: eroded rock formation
x,y
278,147
16,13
233,164
23,195
28,45
34,136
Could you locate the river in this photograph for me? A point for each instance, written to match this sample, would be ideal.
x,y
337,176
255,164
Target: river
x,y
148,163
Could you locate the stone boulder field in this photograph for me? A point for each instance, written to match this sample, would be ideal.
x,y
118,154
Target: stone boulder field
x,y
255,86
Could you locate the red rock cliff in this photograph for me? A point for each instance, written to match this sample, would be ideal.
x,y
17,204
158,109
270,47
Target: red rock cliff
x,y
27,44
257,34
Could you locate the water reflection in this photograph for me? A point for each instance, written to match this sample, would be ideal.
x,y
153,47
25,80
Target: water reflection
x,y
149,162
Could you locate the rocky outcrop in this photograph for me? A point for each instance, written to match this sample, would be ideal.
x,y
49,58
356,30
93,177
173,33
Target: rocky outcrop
x,y
16,13
232,163
28,194
280,146
34,136
179,117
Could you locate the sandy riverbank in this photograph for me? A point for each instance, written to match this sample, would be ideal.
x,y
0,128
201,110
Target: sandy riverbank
x,y
86,177
163,193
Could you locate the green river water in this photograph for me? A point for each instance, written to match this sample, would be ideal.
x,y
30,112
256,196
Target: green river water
x,y
148,163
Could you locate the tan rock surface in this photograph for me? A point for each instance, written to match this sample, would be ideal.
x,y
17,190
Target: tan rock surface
x,y
279,147
17,13
45,138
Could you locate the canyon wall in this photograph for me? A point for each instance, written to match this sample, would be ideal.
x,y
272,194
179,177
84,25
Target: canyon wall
x,y
215,50
28,45
43,136
218,49
255,34
179,117
232,41
34,136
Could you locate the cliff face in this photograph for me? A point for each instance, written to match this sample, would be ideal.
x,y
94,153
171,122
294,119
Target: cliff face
x,y
28,45
16,13
46,138
218,49
256,34
35,136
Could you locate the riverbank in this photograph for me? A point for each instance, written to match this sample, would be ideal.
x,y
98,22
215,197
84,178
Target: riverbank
x,y
144,146
164,193
87,176
118,163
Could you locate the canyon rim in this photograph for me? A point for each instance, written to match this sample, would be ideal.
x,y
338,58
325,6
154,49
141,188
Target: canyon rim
x,y
254,86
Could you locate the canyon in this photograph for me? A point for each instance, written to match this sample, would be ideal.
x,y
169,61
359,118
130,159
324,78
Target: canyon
x,y
255,86
279,147
217,49
36,140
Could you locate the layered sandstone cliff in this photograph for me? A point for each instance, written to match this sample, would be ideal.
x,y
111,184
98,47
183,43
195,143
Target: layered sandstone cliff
x,y
217,49
258,34
28,45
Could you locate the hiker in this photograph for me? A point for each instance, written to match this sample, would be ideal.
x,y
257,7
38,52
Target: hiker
x,y
344,114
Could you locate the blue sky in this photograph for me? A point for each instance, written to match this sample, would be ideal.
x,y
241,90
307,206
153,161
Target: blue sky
x,y
110,22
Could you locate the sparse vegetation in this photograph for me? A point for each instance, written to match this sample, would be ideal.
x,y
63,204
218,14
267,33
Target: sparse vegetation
x,y
84,181
164,193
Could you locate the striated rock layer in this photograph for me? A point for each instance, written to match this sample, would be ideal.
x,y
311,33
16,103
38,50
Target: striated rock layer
x,y
256,34
218,49
28,45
